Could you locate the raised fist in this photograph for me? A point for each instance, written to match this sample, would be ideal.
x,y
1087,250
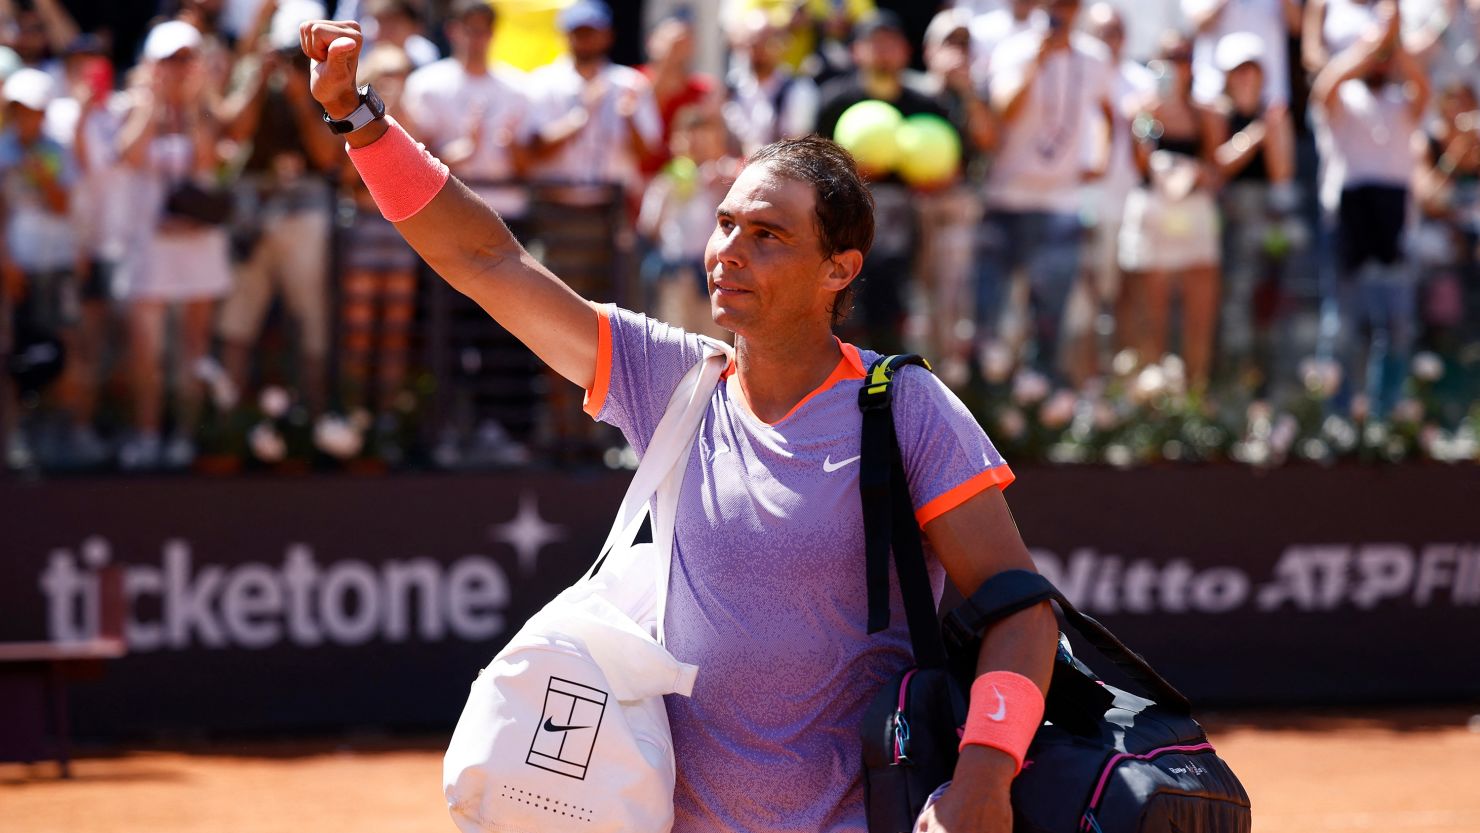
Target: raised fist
x,y
333,48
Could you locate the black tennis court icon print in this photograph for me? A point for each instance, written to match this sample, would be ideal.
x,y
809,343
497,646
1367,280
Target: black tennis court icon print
x,y
567,731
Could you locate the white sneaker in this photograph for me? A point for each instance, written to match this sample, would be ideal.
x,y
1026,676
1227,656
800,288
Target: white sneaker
x,y
141,452
179,453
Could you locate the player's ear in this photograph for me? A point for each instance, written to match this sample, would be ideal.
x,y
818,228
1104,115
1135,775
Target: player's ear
x,y
842,268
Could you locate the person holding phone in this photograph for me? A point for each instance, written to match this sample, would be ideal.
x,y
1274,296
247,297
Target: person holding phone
x,y
1047,85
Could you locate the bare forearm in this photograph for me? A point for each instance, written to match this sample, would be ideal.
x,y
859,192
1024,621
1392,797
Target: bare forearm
x,y
133,140
469,245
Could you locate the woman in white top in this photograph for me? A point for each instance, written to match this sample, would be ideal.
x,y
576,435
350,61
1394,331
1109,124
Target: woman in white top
x,y
171,261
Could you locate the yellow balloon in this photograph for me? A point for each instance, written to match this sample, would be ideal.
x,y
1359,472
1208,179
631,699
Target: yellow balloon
x,y
929,150
868,131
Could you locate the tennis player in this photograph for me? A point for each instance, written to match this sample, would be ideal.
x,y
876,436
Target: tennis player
x,y
768,589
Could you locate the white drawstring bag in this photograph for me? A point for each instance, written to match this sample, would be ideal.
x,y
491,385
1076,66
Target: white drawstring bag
x,y
565,730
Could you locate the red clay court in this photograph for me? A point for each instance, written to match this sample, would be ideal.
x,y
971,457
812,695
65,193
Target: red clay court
x,y
1411,771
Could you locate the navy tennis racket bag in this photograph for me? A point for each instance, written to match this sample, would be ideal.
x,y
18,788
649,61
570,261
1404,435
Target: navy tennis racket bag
x,y
1105,760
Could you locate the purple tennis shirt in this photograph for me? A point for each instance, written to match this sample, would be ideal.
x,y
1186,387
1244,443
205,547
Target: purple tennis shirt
x,y
768,595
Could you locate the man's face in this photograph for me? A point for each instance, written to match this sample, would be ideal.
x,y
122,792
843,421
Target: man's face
x,y
30,37
588,43
473,32
765,46
766,267
884,51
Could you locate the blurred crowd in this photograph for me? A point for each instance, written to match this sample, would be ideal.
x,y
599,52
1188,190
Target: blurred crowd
x,y
1272,204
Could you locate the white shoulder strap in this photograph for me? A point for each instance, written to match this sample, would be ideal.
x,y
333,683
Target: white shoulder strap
x,y
671,443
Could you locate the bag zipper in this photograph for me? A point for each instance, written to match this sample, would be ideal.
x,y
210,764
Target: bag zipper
x,y
1088,821
901,727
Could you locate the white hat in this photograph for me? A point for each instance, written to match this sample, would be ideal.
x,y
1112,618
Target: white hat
x,y
945,23
283,33
30,88
1237,49
170,37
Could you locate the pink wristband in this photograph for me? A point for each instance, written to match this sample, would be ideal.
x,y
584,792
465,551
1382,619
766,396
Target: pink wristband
x,y
1006,711
401,175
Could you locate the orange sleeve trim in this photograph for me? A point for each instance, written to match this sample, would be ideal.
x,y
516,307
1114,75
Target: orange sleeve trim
x,y
994,476
596,396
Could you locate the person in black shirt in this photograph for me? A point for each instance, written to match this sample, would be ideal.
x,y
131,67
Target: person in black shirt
x,y
881,53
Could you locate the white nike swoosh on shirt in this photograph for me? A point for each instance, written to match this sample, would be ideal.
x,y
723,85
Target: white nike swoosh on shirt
x,y
1001,713
829,466
723,449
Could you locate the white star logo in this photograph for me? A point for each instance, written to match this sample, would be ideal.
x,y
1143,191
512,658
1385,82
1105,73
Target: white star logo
x,y
527,533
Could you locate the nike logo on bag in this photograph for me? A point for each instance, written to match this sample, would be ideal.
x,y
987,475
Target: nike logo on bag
x,y
829,466
996,716
551,727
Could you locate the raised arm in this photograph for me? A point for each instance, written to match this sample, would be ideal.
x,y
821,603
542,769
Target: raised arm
x,y
1353,62
461,237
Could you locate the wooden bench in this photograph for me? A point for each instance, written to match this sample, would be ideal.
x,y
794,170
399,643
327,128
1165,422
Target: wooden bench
x,y
34,718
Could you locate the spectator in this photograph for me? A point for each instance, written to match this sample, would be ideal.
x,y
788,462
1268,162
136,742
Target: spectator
x,y
397,23
675,85
471,114
593,121
949,213
1270,21
285,181
1448,191
40,250
1099,293
764,100
1169,238
86,122
591,124
1047,84
42,32
378,294
678,214
1257,165
815,33
990,29
881,54
1368,102
176,256
948,61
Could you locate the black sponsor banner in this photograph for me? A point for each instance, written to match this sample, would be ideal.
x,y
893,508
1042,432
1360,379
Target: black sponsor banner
x,y
319,603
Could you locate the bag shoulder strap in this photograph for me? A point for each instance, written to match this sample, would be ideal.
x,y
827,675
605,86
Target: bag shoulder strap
x,y
671,443
889,518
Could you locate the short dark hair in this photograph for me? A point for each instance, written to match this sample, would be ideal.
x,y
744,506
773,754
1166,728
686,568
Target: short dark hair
x,y
845,206
463,8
